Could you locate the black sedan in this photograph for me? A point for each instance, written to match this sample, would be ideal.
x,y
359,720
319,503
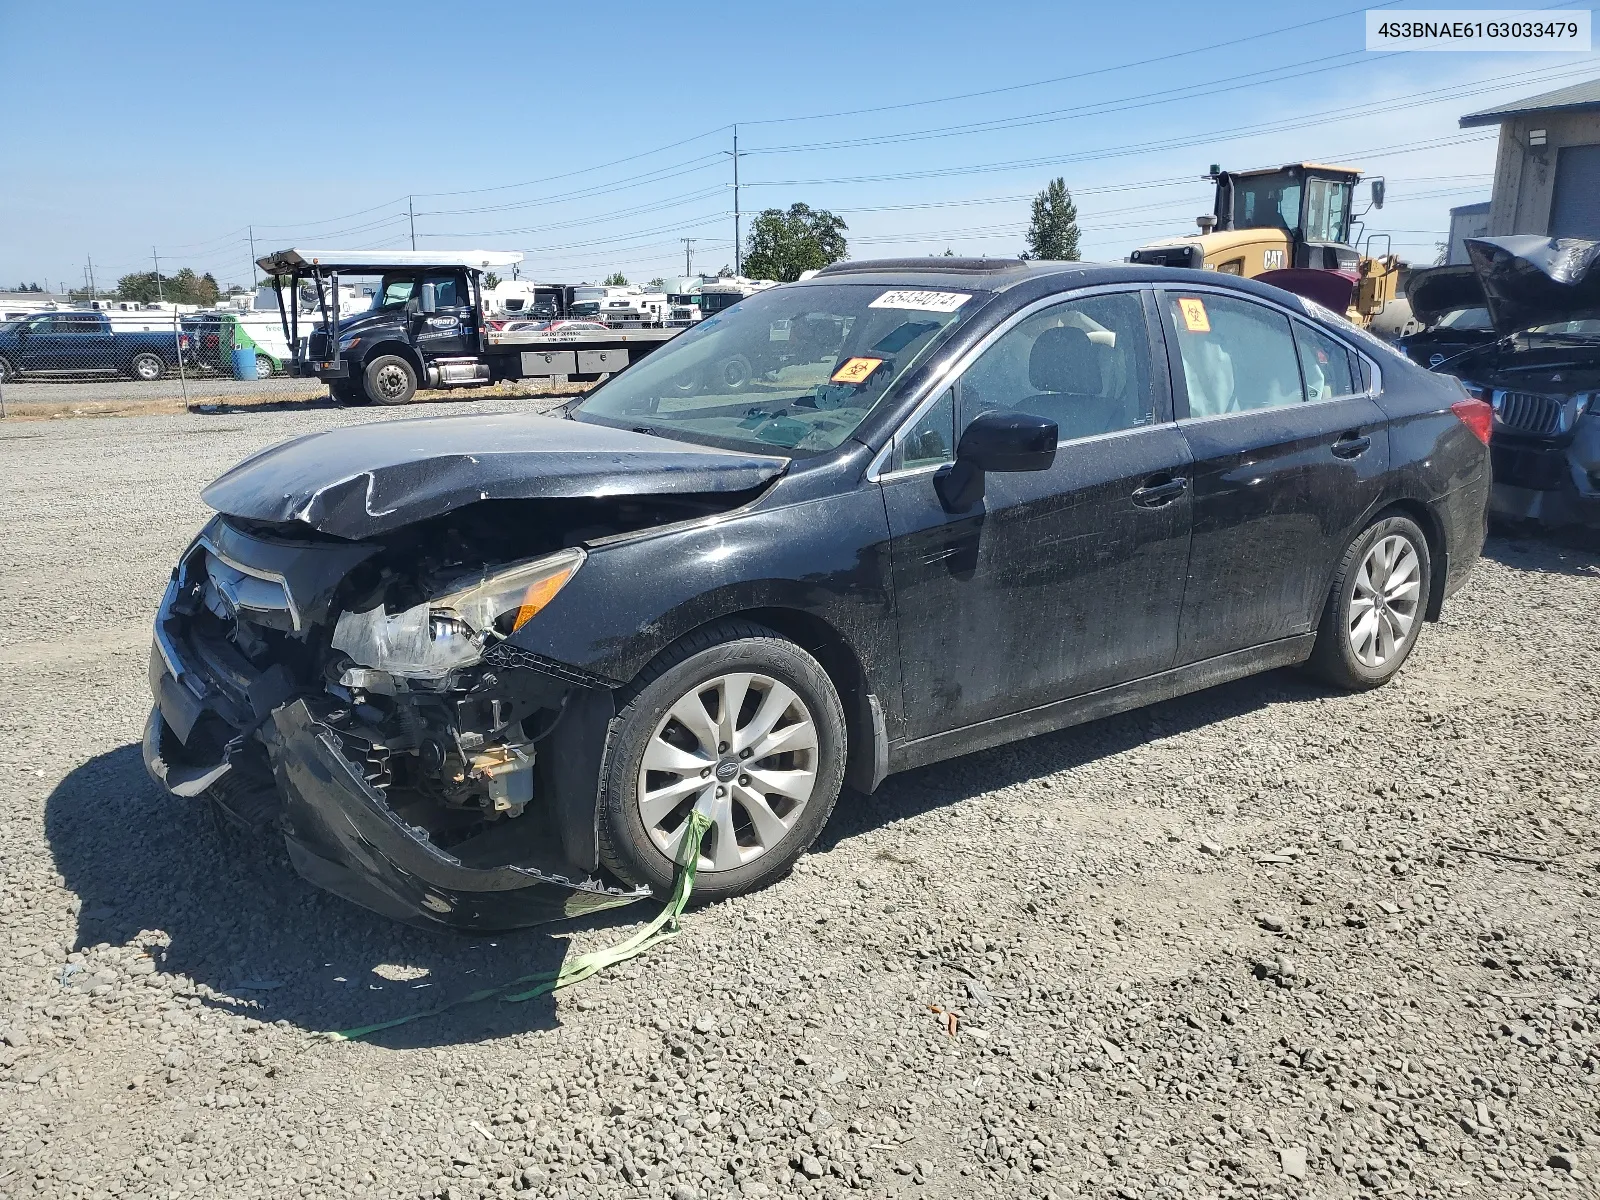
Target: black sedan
x,y
480,670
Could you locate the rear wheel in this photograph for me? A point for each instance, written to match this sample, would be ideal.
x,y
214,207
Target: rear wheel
x,y
390,379
147,367
746,726
1376,606
263,367
7,371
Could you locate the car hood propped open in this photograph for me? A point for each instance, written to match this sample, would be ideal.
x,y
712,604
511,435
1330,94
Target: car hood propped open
x,y
1434,292
1530,280
367,480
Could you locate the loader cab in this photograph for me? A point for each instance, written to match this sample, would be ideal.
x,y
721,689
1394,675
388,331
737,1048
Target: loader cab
x,y
1309,203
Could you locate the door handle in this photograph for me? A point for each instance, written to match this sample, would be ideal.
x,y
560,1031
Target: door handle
x,y
1154,495
1351,445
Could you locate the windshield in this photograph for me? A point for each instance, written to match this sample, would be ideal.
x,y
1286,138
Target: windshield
x,y
797,368
396,290
1466,318
1262,201
712,302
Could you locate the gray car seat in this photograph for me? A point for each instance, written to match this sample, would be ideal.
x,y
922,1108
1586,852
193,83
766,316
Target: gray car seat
x,y
1066,368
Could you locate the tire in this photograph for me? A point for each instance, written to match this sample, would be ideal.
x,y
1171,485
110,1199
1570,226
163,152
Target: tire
x,y
1361,644
731,374
263,367
7,371
147,367
731,658
389,379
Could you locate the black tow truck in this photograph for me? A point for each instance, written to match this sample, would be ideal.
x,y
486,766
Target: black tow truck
x,y
426,328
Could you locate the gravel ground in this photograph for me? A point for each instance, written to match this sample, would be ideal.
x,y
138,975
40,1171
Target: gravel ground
x,y
1229,944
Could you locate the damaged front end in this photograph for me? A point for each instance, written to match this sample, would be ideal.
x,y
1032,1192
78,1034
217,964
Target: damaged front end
x,y
1538,366
362,698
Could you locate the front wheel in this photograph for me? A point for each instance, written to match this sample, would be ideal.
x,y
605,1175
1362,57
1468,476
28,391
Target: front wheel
x,y
263,367
1376,606
390,379
147,367
7,371
746,726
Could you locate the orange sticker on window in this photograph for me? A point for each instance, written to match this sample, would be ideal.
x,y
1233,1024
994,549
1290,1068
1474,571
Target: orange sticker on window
x,y
856,370
1194,315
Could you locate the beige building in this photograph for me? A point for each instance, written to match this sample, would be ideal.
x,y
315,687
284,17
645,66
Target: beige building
x,y
1547,170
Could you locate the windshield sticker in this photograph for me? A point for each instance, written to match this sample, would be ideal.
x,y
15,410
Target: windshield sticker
x,y
939,302
1194,315
856,370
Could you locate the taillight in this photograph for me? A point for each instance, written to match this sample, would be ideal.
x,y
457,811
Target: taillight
x,y
1476,416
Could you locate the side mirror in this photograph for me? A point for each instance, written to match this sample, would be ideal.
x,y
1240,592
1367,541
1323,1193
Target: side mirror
x,y
995,441
430,298
1377,193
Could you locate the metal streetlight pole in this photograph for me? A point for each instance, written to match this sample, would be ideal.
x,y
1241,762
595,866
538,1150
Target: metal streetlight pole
x,y
738,252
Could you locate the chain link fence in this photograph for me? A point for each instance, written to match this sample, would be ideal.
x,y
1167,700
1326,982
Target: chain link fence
x,y
105,355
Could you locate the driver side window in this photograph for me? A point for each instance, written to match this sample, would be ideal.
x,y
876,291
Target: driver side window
x,y
1084,364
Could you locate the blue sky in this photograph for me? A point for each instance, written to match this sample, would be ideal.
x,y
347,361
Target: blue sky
x,y
593,137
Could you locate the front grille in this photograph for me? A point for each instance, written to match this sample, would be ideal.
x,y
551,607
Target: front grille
x,y
1528,412
1538,470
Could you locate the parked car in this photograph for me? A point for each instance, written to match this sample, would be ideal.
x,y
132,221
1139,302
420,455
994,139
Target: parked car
x,y
1538,365
84,343
479,670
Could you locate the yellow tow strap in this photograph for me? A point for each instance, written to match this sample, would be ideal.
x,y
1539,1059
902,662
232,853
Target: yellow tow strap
x,y
663,928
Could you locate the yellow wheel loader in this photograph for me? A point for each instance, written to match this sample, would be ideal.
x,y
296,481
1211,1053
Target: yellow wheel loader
x,y
1290,226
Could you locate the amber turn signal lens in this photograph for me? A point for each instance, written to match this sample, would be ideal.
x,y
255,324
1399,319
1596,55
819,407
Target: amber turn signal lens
x,y
538,595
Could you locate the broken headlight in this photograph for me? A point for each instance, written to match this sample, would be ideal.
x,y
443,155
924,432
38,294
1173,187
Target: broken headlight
x,y
439,636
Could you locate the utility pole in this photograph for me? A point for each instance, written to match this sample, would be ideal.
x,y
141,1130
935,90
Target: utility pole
x,y
252,230
410,212
160,298
688,254
93,295
738,249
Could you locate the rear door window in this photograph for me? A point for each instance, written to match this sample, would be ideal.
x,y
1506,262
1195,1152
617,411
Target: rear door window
x,y
1325,365
1237,356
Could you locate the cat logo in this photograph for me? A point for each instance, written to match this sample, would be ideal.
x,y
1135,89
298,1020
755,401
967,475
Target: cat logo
x,y
1272,260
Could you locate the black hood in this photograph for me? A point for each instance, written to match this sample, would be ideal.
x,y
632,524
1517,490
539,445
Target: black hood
x,y
370,479
1436,291
1528,280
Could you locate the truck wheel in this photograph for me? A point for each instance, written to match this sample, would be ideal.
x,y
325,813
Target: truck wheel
x,y
147,367
742,722
732,374
263,367
390,379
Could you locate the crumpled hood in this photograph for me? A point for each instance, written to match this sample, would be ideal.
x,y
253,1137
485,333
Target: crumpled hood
x,y
1530,280
366,480
1435,291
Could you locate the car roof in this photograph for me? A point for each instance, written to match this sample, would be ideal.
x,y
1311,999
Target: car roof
x,y
1004,274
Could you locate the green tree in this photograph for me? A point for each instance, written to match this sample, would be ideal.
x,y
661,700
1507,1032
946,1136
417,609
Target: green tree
x,y
185,287
615,279
491,281
726,272
1053,231
658,284
783,244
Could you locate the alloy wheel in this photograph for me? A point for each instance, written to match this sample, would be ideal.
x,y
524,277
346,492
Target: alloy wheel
x,y
1383,605
742,747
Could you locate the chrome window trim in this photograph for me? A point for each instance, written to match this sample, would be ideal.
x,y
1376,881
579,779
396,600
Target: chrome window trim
x,y
1372,393
935,386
